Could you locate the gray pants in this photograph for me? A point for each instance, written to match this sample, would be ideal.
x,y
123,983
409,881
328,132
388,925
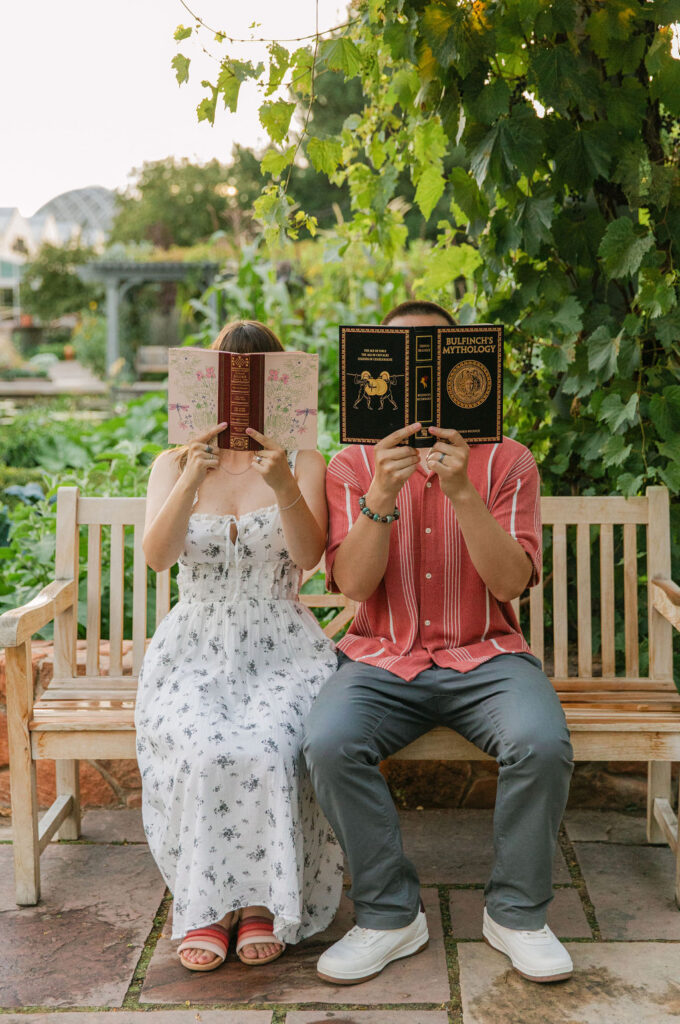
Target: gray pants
x,y
508,707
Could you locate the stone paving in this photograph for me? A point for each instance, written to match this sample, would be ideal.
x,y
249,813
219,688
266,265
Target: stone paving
x,y
97,947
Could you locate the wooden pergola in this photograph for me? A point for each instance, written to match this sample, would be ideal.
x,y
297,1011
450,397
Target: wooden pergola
x,y
120,275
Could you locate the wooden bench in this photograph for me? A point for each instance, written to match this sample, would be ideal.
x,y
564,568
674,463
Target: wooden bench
x,y
151,359
613,711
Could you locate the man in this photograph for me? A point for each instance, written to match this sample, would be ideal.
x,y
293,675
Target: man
x,y
435,642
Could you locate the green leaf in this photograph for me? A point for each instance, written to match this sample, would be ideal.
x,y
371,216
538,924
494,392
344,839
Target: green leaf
x,y
451,37
429,190
279,61
662,12
468,197
275,118
562,79
206,108
534,217
181,67
615,451
302,63
664,410
602,353
623,247
429,141
325,154
665,71
274,162
232,75
181,33
341,54
569,317
445,265
656,292
616,415
583,153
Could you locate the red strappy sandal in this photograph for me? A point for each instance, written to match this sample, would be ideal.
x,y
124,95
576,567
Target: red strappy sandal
x,y
213,938
257,929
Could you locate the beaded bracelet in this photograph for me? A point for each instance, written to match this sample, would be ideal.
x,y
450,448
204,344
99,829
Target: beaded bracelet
x,y
374,515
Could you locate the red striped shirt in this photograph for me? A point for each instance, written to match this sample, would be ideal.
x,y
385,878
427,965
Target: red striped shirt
x,y
432,606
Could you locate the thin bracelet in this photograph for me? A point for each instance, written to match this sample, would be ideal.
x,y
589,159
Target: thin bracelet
x,y
286,507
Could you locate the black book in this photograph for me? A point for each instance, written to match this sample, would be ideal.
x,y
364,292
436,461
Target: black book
x,y
448,377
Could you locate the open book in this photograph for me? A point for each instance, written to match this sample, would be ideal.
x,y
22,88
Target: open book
x,y
448,377
273,392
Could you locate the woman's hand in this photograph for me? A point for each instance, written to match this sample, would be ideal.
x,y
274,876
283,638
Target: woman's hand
x,y
272,465
201,457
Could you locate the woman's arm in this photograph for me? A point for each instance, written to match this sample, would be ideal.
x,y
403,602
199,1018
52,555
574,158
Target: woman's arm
x,y
170,498
301,498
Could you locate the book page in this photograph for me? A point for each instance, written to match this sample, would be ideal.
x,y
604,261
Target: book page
x,y
192,392
291,384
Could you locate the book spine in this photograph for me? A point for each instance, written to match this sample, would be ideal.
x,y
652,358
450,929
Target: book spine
x,y
239,401
223,398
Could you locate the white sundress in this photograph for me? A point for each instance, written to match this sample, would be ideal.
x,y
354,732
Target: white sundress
x,y
226,684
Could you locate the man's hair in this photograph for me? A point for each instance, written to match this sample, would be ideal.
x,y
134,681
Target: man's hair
x,y
413,307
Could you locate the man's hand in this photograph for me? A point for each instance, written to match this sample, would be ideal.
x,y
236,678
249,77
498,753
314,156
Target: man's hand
x,y
448,458
394,464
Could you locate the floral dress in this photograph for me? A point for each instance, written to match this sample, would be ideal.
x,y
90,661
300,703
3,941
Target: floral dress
x,y
224,690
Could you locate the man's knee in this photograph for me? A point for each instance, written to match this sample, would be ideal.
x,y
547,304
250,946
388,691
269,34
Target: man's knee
x,y
543,752
331,743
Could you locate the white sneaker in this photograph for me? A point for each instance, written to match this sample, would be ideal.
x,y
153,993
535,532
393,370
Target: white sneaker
x,y
363,952
538,955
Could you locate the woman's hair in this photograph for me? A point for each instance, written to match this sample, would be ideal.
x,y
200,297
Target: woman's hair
x,y
243,336
247,336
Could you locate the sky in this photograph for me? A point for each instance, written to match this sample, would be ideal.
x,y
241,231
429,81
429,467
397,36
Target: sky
x,y
87,91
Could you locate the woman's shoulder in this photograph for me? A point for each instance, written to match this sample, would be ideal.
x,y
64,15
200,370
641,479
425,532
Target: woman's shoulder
x,y
165,467
308,460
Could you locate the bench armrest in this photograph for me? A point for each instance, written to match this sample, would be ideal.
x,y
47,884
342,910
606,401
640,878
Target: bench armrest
x,y
19,624
666,600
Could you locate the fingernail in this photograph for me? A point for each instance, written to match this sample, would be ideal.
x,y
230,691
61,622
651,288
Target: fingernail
x,y
248,430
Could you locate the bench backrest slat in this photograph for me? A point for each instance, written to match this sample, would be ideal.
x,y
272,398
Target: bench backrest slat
x,y
567,524
607,629
116,599
94,597
630,598
583,601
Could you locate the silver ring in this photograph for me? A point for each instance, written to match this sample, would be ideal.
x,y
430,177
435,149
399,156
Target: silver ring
x,y
258,458
441,456
209,449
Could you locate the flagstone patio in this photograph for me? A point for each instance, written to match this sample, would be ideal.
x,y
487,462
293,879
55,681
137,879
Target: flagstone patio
x,y
97,947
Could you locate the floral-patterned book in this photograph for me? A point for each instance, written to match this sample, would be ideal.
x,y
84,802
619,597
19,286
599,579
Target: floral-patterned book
x,y
275,393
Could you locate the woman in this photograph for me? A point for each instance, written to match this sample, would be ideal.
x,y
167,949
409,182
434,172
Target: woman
x,y
224,690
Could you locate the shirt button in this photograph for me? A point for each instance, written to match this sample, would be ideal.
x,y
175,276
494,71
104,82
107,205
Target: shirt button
x,y
428,485
428,575
428,530
427,622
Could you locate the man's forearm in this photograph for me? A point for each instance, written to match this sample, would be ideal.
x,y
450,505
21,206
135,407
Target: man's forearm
x,y
361,560
500,560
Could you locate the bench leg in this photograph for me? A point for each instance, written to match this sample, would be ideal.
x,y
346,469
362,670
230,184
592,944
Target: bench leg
x,y
68,784
658,786
22,775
